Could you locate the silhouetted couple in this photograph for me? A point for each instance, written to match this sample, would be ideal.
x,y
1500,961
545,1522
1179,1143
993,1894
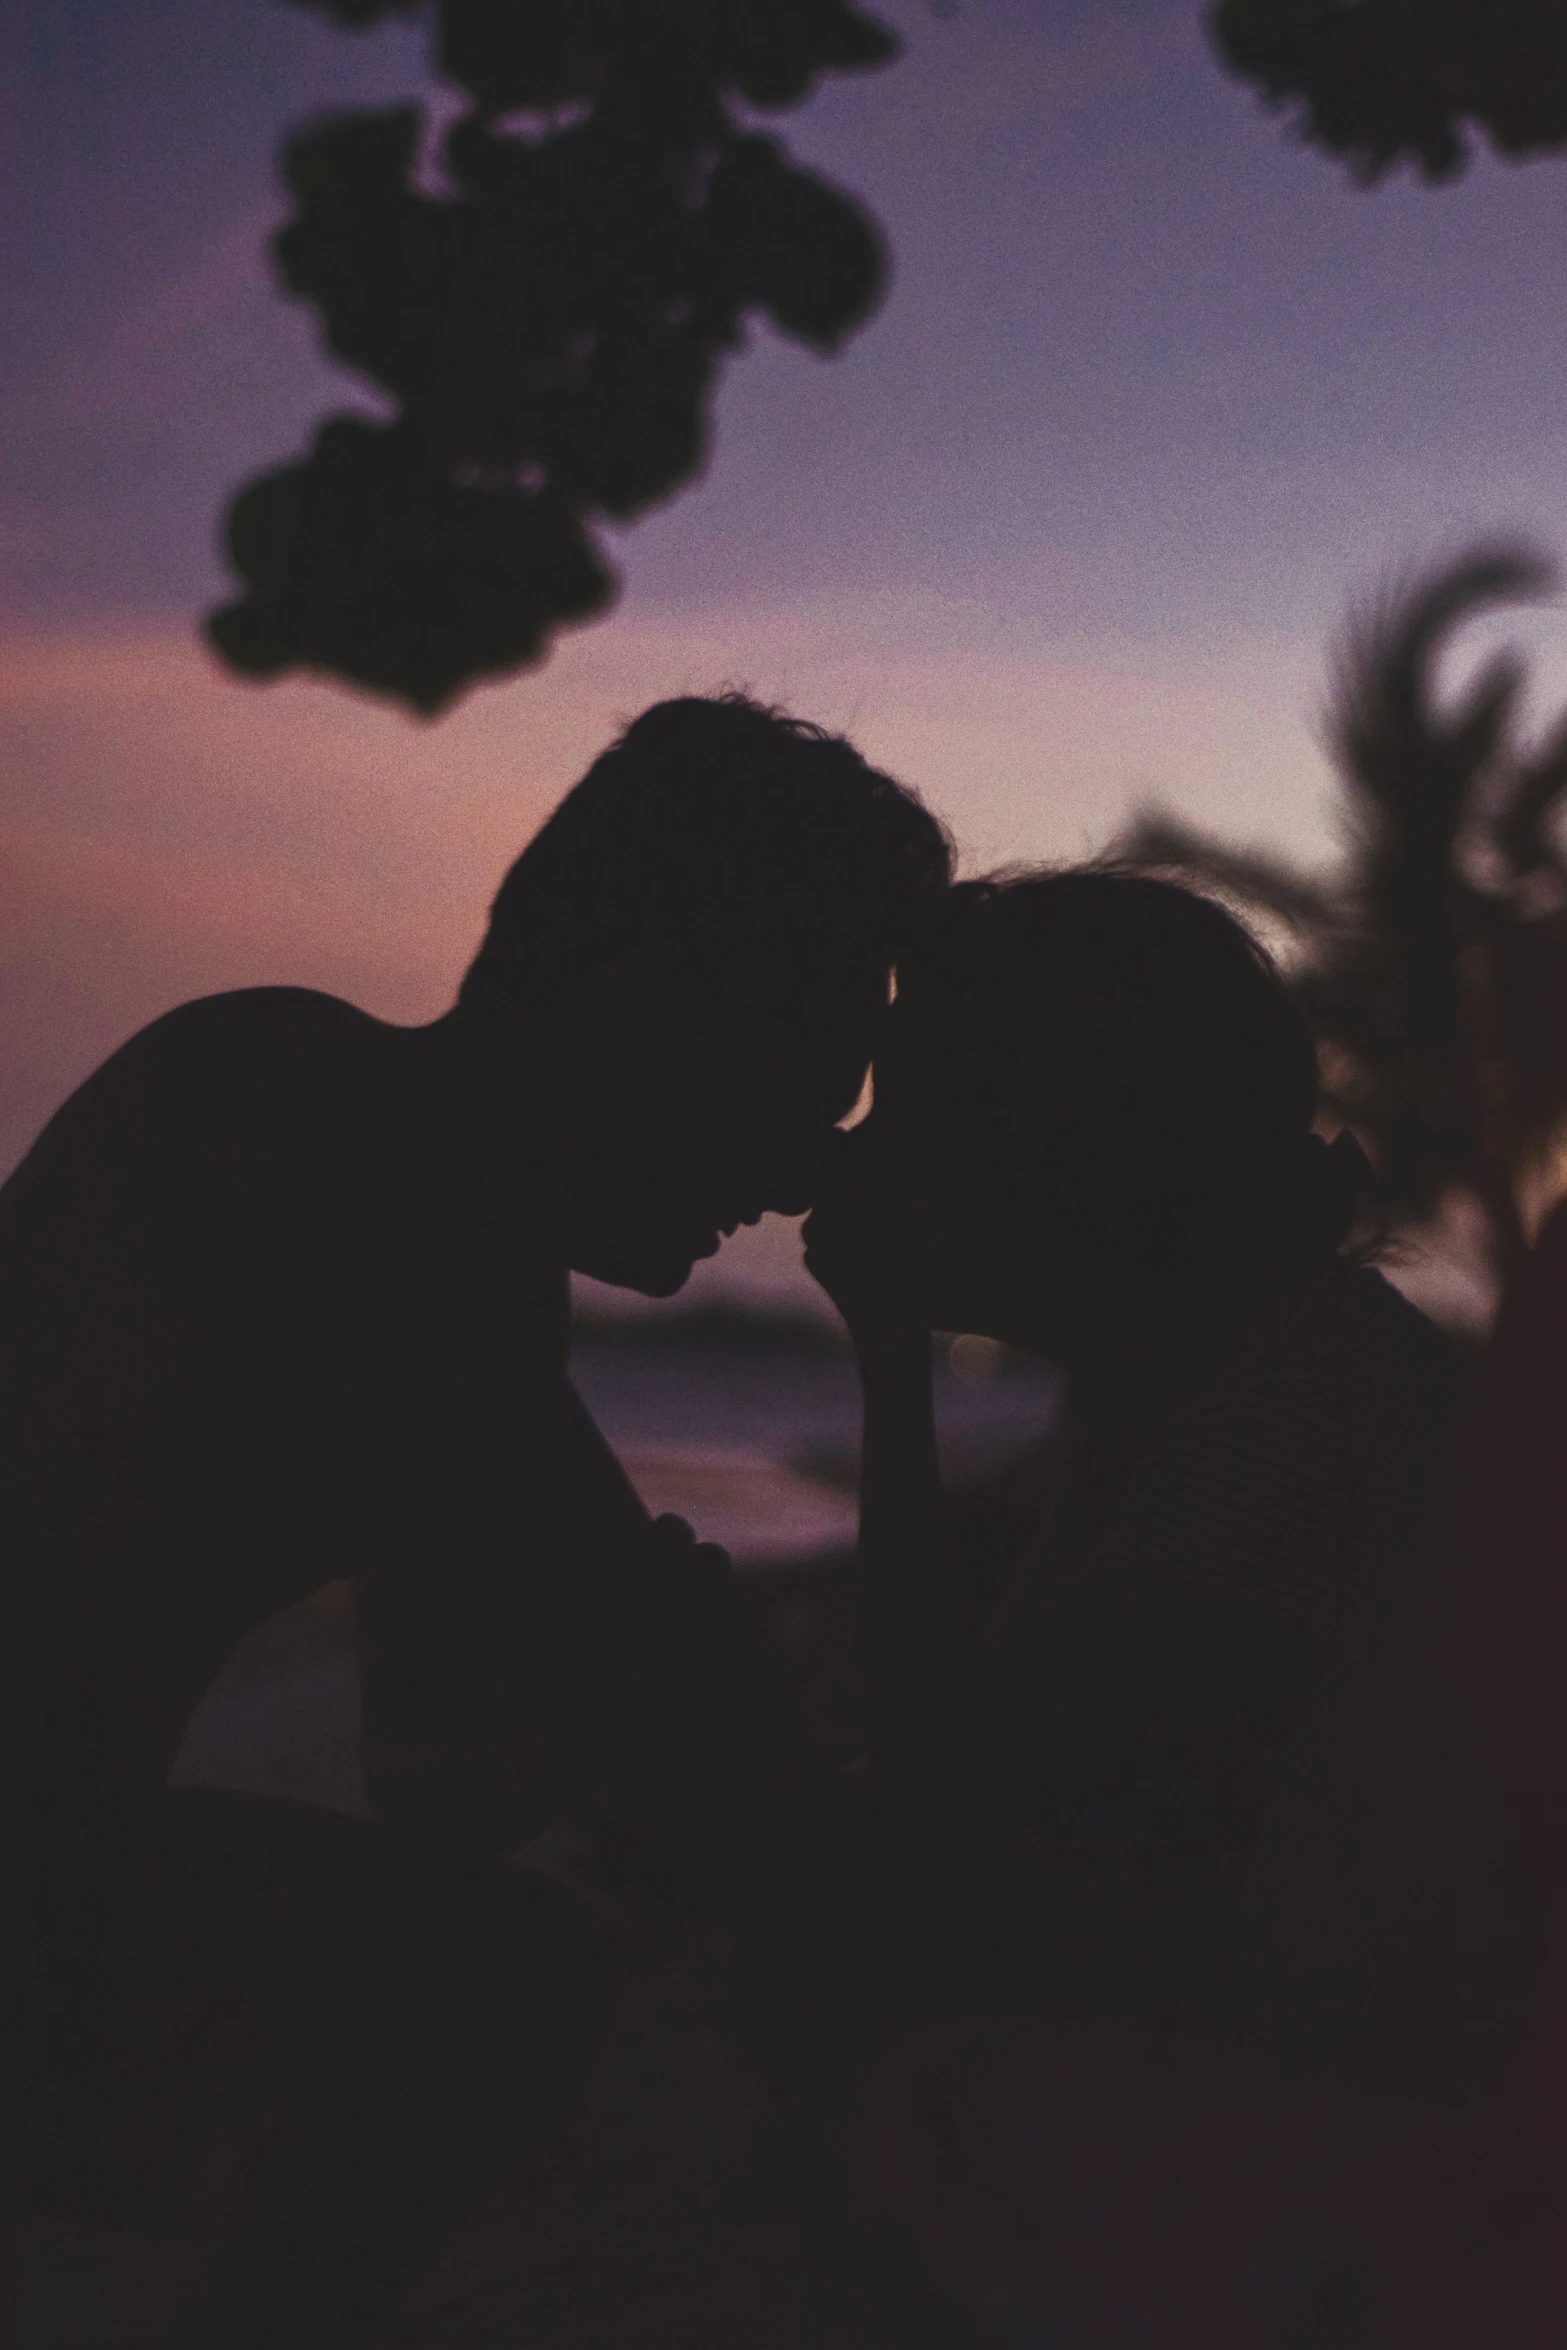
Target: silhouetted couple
x,y
1092,1139
285,1299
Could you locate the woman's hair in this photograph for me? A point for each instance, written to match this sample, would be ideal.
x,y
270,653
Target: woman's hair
x,y
734,845
1133,1047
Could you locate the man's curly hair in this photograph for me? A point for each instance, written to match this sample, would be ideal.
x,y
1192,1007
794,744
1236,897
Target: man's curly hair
x,y
728,843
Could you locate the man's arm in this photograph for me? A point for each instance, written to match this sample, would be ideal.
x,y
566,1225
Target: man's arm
x,y
491,1531
528,1637
491,1646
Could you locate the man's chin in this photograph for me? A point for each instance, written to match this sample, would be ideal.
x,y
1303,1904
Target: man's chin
x,y
663,1283
648,1277
651,1268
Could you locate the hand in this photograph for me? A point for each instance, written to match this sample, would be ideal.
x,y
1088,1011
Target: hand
x,y
675,1548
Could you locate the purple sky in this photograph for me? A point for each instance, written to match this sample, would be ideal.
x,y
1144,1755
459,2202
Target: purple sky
x,y
1154,393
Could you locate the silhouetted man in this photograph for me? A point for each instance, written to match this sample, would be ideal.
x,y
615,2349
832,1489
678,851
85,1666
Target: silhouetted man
x,y
285,1299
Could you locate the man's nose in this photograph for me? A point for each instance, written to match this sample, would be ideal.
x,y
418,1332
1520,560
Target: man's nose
x,y
792,1198
803,1171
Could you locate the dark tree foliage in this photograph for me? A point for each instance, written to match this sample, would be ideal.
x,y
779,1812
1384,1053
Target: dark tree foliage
x,y
549,315
1383,82
1434,968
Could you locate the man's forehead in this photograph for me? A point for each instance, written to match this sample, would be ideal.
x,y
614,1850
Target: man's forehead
x,y
911,1047
928,1082
816,1020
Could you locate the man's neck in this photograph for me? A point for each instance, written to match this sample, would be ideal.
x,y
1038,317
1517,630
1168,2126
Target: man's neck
x,y
500,1087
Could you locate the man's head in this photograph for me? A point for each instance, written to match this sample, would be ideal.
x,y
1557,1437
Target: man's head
x,y
707,923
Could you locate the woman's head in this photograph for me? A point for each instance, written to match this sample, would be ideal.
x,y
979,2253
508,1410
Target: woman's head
x,y
1095,1090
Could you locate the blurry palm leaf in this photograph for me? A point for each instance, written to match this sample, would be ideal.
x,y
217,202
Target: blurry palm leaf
x,y
549,317
1433,967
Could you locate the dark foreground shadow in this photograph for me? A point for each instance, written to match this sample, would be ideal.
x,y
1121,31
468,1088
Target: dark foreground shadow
x,y
289,2064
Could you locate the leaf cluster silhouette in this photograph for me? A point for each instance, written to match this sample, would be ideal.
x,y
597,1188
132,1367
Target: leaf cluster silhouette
x,y
1384,82
547,301
1433,968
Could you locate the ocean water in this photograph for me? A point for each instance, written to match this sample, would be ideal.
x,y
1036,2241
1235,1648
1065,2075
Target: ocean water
x,y
753,1433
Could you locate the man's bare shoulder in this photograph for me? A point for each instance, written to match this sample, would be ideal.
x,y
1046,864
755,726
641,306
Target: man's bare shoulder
x,y
244,1030
256,1022
215,1066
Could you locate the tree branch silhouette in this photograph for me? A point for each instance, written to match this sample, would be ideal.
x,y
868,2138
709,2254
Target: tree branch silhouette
x,y
1384,82
549,319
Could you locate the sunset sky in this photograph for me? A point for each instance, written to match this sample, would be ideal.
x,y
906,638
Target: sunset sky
x,y
1154,393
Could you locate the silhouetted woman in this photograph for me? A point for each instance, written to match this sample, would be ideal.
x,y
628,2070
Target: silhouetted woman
x,y
1093,1139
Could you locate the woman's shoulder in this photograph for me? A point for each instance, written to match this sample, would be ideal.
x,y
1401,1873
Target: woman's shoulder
x,y
1341,1359
1356,1388
1296,1472
1347,1342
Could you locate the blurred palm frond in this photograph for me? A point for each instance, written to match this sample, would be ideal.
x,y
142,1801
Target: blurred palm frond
x,y
1433,964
